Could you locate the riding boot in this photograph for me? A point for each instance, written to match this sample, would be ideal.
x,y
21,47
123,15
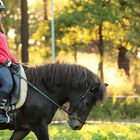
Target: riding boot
x,y
4,117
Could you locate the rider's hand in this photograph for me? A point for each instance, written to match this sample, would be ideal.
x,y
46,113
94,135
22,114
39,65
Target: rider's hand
x,y
15,67
8,63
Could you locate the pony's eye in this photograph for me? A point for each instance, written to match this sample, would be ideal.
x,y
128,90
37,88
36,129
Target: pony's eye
x,y
88,103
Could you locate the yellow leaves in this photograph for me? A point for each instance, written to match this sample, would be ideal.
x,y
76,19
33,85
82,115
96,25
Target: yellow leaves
x,y
69,11
76,35
42,30
34,54
114,100
106,24
126,22
129,46
38,54
66,40
130,100
80,8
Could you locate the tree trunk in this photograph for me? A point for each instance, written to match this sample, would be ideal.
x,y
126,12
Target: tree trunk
x,y
24,31
136,84
101,52
75,54
17,48
45,3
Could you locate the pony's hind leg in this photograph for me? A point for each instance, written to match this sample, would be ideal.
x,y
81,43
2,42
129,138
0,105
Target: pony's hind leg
x,y
19,134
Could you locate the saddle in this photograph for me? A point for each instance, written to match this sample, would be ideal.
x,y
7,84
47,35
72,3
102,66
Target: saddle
x,y
19,93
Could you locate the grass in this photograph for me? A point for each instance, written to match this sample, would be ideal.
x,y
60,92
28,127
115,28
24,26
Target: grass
x,y
88,132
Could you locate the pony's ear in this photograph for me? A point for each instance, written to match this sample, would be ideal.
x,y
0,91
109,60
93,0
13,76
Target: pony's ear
x,y
105,84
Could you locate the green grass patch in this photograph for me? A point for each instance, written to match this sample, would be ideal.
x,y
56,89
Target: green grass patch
x,y
88,132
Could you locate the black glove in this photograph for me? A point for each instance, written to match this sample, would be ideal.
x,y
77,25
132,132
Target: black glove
x,y
15,67
8,63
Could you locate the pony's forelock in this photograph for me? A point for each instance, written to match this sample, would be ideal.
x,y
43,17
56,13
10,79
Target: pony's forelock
x,y
101,94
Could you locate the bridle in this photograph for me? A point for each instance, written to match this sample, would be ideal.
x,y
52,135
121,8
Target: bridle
x,y
77,101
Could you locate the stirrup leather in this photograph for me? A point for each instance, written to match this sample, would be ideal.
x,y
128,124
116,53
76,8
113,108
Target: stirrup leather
x,y
8,117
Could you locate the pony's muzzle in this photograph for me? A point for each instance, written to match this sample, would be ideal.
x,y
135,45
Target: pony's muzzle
x,y
74,123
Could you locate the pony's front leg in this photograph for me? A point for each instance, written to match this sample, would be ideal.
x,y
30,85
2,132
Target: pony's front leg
x,y
41,131
19,134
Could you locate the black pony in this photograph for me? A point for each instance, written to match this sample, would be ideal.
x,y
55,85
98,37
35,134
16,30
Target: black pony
x,y
62,83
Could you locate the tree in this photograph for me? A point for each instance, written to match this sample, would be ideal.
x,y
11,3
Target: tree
x,y
88,14
24,31
132,17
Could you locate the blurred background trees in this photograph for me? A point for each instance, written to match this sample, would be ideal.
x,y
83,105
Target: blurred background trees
x,y
96,28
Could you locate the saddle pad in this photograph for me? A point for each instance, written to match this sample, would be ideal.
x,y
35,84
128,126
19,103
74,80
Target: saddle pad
x,y
23,90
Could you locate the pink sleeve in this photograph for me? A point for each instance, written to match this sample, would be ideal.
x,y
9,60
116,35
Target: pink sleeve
x,y
2,59
4,50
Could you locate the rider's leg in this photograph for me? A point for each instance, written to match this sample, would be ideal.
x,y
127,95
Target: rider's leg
x,y
6,84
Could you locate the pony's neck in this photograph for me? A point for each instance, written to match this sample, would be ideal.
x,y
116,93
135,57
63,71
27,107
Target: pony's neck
x,y
59,94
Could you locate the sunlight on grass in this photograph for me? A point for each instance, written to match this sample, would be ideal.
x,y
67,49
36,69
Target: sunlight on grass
x,y
53,131
88,132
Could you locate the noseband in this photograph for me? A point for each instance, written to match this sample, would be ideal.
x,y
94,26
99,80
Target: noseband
x,y
77,118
